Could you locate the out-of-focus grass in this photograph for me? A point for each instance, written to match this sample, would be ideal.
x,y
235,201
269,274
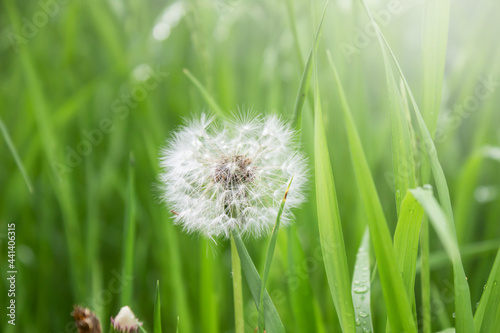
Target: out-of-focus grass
x,y
66,102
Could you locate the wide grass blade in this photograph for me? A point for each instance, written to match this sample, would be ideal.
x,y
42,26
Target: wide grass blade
x,y
269,259
406,240
330,226
208,98
361,286
14,153
299,288
305,82
487,316
272,319
157,310
438,218
397,303
129,236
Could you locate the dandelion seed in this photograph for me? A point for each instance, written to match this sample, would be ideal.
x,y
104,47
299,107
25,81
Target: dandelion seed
x,y
125,321
217,178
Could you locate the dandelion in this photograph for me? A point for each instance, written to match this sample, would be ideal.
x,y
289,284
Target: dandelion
x,y
125,321
222,177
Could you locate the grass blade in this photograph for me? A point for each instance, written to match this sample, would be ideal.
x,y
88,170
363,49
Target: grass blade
x,y
273,321
14,153
330,226
402,152
463,310
361,286
397,304
435,36
428,143
406,240
50,144
157,310
208,98
487,316
299,286
425,277
305,82
269,259
129,236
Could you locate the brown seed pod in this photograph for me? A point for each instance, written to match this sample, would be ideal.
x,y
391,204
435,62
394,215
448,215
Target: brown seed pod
x,y
85,320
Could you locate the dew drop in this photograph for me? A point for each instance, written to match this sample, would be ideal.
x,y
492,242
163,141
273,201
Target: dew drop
x,y
363,314
356,282
495,283
360,289
358,322
454,315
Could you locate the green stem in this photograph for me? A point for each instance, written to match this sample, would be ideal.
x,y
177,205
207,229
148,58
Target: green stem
x,y
237,289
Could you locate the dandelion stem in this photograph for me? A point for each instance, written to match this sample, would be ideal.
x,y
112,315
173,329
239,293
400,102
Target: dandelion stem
x,y
237,289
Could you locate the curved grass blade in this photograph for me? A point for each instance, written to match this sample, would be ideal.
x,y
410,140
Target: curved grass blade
x,y
272,319
487,316
397,304
14,153
428,143
129,236
208,98
361,286
269,259
468,251
305,82
463,310
157,310
330,226
402,152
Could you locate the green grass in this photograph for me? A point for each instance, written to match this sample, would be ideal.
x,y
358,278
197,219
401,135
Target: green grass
x,y
91,230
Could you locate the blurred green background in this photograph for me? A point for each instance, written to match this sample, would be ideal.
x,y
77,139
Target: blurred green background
x,y
91,90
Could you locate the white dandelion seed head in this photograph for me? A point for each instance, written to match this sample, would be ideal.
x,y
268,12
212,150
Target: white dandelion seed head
x,y
125,321
219,177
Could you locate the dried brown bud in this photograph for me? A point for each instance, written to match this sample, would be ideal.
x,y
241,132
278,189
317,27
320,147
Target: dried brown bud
x,y
85,320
